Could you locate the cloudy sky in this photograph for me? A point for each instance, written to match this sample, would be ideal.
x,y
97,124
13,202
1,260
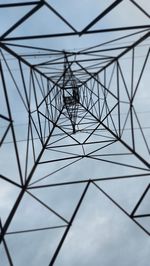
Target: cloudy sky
x,y
101,233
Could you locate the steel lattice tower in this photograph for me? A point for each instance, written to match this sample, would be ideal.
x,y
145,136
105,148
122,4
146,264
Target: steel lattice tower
x,y
71,120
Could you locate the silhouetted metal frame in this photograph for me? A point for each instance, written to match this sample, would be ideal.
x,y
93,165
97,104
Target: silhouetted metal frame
x,y
26,186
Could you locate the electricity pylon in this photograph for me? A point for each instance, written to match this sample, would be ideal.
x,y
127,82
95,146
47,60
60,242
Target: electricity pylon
x,y
75,108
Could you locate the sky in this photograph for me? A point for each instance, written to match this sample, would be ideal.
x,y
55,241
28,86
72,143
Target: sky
x,y
101,233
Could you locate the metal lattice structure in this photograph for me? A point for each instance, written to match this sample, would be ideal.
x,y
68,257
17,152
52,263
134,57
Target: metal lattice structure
x,y
68,115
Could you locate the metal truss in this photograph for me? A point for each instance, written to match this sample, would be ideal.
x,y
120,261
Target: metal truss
x,y
75,106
